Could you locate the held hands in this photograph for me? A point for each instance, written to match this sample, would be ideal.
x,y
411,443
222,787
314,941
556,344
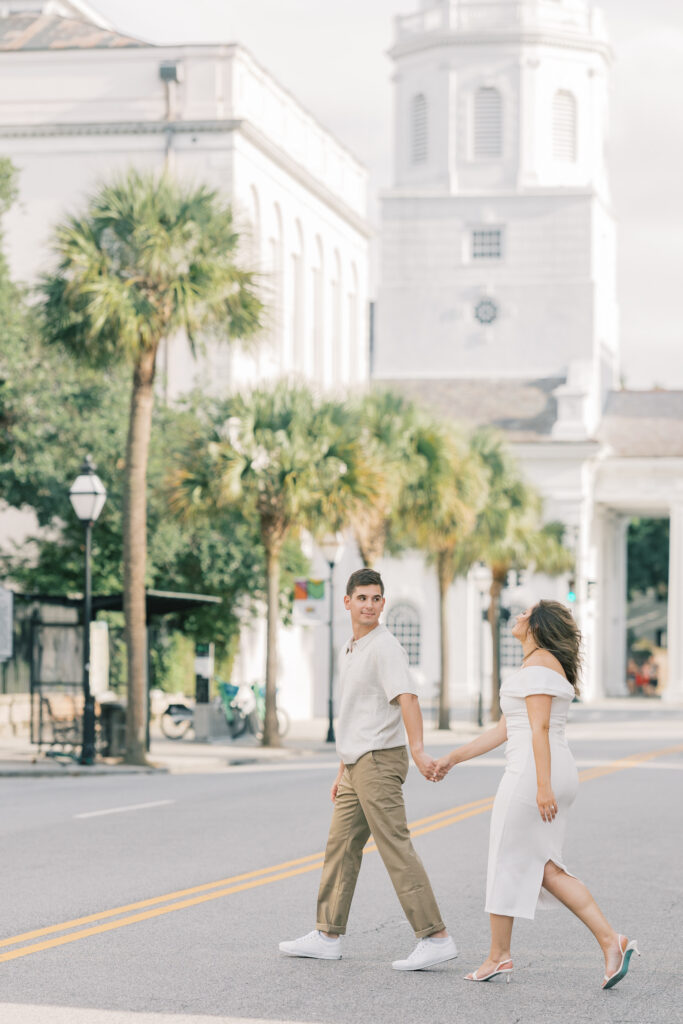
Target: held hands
x,y
442,768
335,787
433,771
546,802
425,763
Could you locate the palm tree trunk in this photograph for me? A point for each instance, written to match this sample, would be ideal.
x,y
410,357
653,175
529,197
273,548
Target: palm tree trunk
x,y
444,703
135,554
497,584
271,735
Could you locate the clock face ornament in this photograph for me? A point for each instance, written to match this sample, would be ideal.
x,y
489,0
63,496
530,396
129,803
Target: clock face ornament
x,y
486,311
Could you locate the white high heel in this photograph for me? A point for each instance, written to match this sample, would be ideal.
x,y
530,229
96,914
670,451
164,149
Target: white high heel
x,y
507,971
626,953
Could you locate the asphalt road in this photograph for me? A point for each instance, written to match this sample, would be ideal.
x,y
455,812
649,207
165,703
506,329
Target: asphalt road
x,y
155,899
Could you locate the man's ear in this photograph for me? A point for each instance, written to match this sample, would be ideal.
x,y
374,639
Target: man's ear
x,y
347,601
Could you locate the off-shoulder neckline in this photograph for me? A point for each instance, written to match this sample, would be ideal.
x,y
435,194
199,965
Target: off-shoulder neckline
x,y
546,669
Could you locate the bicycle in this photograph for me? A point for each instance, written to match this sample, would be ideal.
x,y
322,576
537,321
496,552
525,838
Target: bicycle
x,y
244,708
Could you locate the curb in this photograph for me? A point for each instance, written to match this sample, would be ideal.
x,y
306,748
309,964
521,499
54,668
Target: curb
x,y
47,772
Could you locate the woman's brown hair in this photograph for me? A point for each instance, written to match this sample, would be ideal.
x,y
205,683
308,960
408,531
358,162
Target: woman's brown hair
x,y
553,628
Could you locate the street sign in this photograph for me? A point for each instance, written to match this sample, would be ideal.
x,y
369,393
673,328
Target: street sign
x,y
6,624
203,660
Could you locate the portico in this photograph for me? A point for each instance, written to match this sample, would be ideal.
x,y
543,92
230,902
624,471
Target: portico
x,y
625,488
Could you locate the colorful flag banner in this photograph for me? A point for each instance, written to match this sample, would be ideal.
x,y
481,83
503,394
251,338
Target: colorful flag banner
x,y
310,606
309,590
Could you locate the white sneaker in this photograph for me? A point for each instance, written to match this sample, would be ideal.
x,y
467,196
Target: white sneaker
x,y
427,953
315,945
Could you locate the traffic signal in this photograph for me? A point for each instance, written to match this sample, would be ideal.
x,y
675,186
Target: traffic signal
x,y
571,590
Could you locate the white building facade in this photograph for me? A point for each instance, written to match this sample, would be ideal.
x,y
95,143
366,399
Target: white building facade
x,y
80,102
497,304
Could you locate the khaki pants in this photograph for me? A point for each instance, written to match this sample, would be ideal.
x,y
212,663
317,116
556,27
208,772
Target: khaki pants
x,y
370,800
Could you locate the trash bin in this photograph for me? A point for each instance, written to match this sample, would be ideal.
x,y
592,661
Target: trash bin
x,y
113,718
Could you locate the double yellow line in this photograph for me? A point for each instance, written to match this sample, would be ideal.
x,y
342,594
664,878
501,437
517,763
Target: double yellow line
x,y
144,910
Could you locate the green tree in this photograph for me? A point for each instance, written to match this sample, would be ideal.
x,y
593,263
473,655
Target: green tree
x,y
54,408
436,514
293,463
149,257
389,429
648,557
509,534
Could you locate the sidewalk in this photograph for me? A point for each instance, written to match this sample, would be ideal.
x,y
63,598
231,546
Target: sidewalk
x,y
305,741
616,719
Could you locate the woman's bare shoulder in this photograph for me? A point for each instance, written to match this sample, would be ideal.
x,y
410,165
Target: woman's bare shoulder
x,y
544,659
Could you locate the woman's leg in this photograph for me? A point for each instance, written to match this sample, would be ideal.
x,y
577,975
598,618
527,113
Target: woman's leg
x,y
501,936
574,895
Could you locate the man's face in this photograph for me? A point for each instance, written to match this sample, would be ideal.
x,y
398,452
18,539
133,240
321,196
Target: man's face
x,y
366,605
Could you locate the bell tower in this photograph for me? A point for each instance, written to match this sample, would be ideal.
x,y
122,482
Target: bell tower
x,y
498,242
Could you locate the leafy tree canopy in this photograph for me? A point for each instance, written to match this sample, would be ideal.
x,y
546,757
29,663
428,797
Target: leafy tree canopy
x,y
648,556
54,413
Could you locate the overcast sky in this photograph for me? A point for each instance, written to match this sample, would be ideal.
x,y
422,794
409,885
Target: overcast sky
x,y
331,55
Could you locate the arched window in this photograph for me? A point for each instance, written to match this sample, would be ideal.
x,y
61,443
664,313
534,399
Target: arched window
x,y
419,129
277,277
355,364
564,126
256,226
297,303
337,361
403,620
318,318
487,136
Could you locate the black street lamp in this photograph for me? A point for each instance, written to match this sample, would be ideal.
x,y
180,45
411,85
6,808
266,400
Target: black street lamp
x,y
87,495
332,548
481,575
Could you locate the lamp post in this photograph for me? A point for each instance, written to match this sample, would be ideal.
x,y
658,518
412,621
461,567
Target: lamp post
x,y
87,495
482,579
332,548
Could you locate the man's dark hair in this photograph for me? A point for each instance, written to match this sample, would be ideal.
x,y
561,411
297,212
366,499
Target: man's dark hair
x,y
364,578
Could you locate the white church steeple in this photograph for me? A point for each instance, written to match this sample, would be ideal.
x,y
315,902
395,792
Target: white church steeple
x,y
498,242
509,94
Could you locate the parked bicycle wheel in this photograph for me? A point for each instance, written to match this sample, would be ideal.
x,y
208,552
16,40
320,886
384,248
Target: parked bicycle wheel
x,y
283,724
176,721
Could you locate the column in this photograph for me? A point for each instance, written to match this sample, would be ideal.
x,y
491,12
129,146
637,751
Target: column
x,y
605,674
614,661
674,628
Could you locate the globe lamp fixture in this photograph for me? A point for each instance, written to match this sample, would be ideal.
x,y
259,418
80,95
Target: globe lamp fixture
x,y
87,493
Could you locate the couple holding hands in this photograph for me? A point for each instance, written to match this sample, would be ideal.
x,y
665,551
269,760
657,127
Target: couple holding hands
x,y
525,866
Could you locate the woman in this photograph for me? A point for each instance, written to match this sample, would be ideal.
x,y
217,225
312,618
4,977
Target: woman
x,y
525,867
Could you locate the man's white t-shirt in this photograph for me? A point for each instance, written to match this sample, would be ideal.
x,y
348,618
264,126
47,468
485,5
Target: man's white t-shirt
x,y
373,672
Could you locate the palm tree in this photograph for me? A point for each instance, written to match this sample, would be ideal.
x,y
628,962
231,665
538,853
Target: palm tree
x,y
388,423
509,534
292,462
437,513
148,258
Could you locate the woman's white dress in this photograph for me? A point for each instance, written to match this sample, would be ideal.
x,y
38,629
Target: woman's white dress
x,y
521,843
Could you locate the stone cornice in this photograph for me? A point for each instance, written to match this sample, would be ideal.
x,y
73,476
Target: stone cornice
x,y
226,126
560,40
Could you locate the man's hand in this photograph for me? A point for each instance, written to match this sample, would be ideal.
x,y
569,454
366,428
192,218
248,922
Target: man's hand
x,y
425,763
335,787
441,768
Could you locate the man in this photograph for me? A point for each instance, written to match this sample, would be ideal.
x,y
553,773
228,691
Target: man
x,y
377,691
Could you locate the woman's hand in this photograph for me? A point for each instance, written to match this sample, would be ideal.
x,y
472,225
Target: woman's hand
x,y
442,768
546,802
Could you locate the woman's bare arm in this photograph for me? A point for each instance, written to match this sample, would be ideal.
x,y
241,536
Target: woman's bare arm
x,y
489,740
538,709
